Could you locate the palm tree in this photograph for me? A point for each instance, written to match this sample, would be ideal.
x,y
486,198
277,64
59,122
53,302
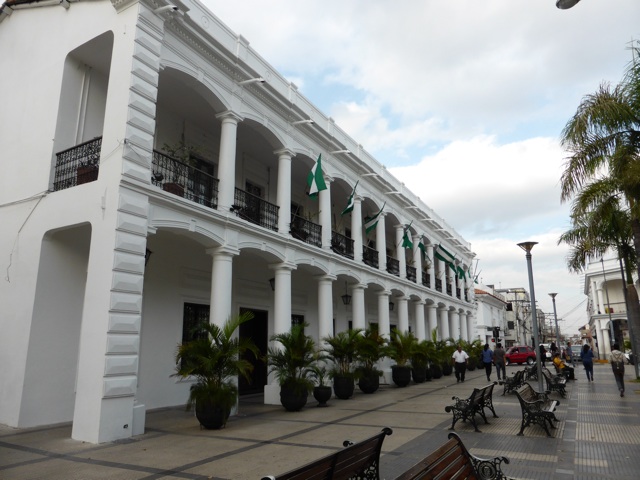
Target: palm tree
x,y
603,139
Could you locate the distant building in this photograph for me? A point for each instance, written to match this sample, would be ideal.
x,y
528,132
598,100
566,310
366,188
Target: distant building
x,y
491,323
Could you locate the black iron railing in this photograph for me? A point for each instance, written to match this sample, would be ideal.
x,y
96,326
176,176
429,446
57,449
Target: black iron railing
x,y
411,273
77,165
449,289
370,256
342,245
255,210
306,231
184,180
426,279
393,266
439,284
457,292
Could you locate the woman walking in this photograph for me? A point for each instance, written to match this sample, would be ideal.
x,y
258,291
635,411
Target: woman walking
x,y
498,359
587,360
487,360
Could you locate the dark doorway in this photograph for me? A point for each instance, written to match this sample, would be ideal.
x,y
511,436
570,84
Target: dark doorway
x,y
258,330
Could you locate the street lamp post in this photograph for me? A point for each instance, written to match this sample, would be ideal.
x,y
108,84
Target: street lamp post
x,y
555,315
527,246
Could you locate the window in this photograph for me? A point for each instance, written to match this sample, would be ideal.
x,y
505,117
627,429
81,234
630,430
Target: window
x,y
193,314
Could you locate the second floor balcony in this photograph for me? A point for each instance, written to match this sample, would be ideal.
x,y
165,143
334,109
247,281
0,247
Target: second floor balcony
x,y
255,210
306,230
411,274
77,165
370,256
342,245
426,279
393,266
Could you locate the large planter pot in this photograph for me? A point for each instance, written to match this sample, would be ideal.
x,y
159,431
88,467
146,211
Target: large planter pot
x,y
447,369
343,387
436,371
428,375
401,375
86,174
293,398
471,365
419,374
369,382
211,416
322,394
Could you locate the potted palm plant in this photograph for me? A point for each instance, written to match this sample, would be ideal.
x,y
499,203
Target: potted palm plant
x,y
399,349
421,353
369,349
292,364
321,392
341,350
214,359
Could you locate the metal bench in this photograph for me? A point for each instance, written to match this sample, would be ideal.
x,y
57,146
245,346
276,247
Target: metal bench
x,y
356,461
536,408
513,383
453,461
467,408
555,383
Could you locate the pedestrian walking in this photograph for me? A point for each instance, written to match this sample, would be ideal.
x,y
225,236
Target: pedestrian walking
x,y
543,354
487,360
587,360
459,360
617,365
569,354
498,359
553,348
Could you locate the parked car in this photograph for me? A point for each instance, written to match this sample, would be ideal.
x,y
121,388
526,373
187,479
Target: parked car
x,y
576,352
520,354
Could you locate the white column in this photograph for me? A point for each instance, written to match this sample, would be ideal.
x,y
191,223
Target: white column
x,y
227,160
432,318
431,268
470,328
357,302
401,256
418,314
455,325
403,313
383,314
325,306
443,323
325,213
417,258
356,228
601,304
381,243
464,333
283,196
281,321
221,280
605,348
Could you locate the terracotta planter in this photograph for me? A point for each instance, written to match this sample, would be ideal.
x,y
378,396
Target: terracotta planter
x,y
174,188
86,174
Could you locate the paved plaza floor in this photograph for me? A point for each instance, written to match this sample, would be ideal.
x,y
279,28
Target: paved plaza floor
x,y
598,436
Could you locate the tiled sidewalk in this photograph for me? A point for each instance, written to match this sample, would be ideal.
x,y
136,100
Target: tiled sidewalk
x,y
598,437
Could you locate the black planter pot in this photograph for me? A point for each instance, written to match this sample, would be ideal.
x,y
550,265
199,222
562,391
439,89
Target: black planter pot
x,y
401,375
292,398
436,371
447,369
322,395
343,387
369,382
419,375
428,376
211,416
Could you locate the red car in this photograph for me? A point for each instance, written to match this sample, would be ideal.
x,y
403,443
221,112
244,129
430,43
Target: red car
x,y
520,354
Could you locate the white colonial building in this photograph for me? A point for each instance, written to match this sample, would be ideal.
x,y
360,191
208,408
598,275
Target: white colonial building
x,y
490,316
154,174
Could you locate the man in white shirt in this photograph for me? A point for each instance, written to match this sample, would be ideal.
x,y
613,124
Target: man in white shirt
x,y
459,359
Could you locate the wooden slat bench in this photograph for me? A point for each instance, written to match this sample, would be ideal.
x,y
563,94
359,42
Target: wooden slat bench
x,y
536,408
513,383
555,383
467,408
453,461
359,460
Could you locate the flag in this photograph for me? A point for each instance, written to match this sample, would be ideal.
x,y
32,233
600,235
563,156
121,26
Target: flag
x,y
442,254
461,273
315,179
350,202
371,222
406,243
423,249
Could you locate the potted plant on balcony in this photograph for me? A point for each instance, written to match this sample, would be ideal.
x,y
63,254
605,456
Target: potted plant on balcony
x,y
399,349
369,349
214,358
292,364
341,350
182,158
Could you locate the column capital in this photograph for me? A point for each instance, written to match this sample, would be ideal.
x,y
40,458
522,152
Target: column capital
x,y
230,115
326,277
285,151
223,250
383,293
283,266
419,302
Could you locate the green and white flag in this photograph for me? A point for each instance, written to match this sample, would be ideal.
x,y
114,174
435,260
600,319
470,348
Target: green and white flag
x,y
423,249
441,253
350,202
315,179
370,223
406,243
461,272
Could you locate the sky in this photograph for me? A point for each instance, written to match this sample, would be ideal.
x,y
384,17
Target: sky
x,y
464,101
